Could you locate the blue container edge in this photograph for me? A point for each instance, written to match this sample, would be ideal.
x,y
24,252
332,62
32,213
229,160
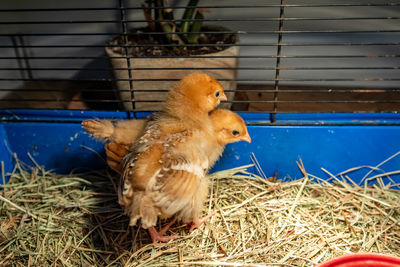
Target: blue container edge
x,y
55,139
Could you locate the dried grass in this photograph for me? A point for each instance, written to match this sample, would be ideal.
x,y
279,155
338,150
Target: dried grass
x,y
48,219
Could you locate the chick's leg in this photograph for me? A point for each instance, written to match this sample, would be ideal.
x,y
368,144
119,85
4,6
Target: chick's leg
x,y
159,236
198,223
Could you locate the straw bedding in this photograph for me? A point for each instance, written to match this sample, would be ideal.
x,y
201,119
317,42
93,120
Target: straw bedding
x,y
74,220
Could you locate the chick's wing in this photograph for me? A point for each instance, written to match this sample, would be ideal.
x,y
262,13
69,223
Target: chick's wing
x,y
176,184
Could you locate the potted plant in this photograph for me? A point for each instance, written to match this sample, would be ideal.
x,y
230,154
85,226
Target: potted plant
x,y
166,46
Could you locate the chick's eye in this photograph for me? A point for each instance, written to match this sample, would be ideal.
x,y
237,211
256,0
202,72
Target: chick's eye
x,y
235,133
217,94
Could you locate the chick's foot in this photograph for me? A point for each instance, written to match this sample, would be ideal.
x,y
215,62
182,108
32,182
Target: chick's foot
x,y
194,225
159,236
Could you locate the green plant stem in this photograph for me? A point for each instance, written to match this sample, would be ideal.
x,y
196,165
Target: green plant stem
x,y
188,14
196,27
160,16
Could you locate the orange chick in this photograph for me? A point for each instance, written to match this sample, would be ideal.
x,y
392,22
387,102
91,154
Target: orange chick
x,y
164,168
228,127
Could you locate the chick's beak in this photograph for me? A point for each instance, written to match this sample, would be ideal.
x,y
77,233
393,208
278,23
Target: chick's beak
x,y
246,138
223,97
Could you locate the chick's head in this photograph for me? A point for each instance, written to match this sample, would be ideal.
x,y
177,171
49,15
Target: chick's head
x,y
201,91
229,127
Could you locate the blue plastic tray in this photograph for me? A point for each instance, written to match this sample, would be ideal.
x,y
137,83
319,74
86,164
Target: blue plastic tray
x,y
335,142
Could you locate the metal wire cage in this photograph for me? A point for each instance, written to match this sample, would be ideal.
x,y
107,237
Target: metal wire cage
x,y
295,56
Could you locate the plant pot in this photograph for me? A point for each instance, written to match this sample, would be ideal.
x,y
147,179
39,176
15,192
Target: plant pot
x,y
150,90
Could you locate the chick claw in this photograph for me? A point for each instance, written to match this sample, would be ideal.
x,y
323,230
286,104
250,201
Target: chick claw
x,y
159,236
194,225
